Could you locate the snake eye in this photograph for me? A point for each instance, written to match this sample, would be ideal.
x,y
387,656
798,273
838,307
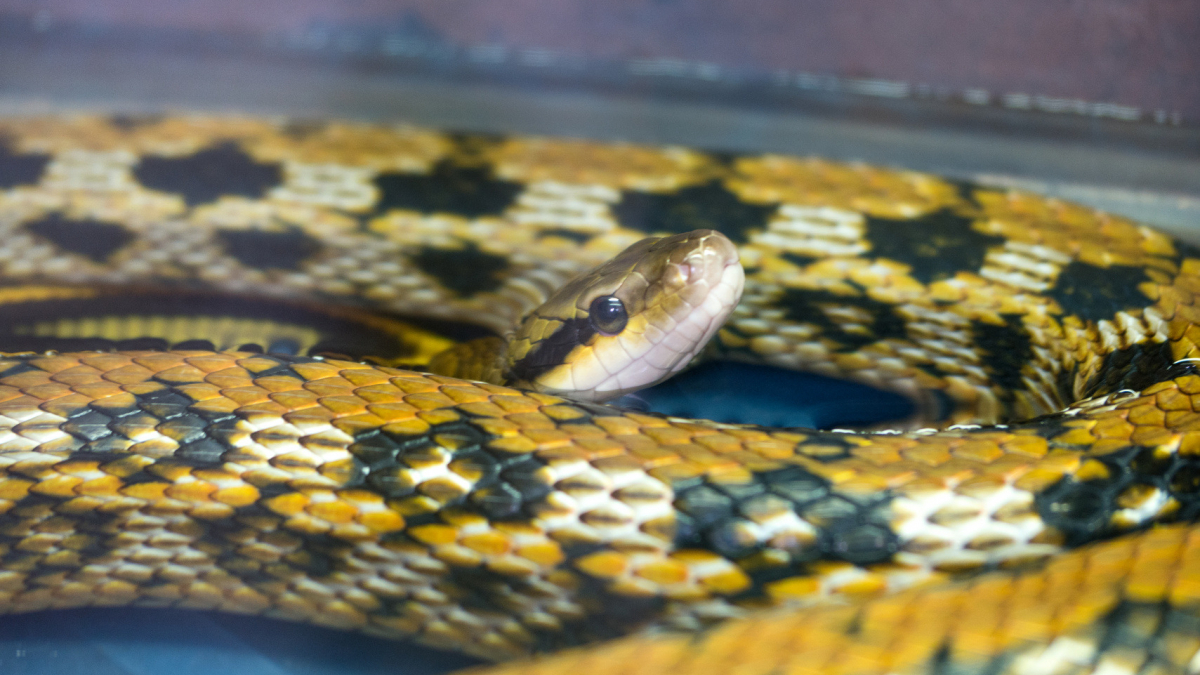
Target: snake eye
x,y
607,315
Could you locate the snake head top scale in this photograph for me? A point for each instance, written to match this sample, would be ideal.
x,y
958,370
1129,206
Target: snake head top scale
x,y
631,322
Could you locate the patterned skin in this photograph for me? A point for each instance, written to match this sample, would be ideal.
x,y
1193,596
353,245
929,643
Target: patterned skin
x,y
502,521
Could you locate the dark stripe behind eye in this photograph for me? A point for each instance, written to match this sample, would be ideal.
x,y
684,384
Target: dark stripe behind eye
x,y
552,352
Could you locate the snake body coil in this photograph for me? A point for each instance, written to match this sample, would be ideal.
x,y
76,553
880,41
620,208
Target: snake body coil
x,y
504,521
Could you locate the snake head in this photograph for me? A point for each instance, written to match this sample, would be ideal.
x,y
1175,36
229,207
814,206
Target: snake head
x,y
631,322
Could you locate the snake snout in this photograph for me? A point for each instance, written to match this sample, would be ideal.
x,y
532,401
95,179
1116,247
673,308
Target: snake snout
x,y
699,261
712,254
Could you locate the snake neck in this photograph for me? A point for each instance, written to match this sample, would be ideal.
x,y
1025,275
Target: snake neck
x,y
482,360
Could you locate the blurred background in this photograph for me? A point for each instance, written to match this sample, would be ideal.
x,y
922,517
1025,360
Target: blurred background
x,y
1094,100
1097,101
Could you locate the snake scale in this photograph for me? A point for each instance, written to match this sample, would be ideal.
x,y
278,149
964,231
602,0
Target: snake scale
x,y
1043,528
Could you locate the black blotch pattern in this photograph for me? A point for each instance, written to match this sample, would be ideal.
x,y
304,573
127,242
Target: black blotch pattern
x,y
1134,367
576,236
104,431
131,122
804,306
1098,293
708,206
20,169
94,239
506,485
468,191
797,259
1147,630
935,246
856,531
208,174
552,351
262,249
1185,250
1004,348
466,270
21,366
965,188
301,129
1083,510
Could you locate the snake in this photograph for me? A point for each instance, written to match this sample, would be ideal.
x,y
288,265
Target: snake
x,y
355,374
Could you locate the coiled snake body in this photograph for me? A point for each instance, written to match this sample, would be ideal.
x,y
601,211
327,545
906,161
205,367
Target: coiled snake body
x,y
506,521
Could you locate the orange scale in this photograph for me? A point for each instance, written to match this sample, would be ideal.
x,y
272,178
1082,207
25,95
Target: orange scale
x,y
159,361
441,416
341,471
414,383
530,421
434,535
1155,435
363,377
54,364
343,405
30,378
296,400
719,443
279,383
208,362
1177,419
379,394
210,511
335,512
66,405
483,409
516,404
617,465
701,455
106,486
47,391
392,410
487,543
316,370
288,504
617,426
257,364
599,447
352,532
330,387
237,496
191,491
563,413
57,485
306,524
103,362
429,401
199,391
76,376
181,374
676,472
143,388
465,394
310,420
382,521
548,438
262,407
245,395
410,427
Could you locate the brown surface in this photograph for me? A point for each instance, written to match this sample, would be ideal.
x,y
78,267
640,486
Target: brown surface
x,y
1142,53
